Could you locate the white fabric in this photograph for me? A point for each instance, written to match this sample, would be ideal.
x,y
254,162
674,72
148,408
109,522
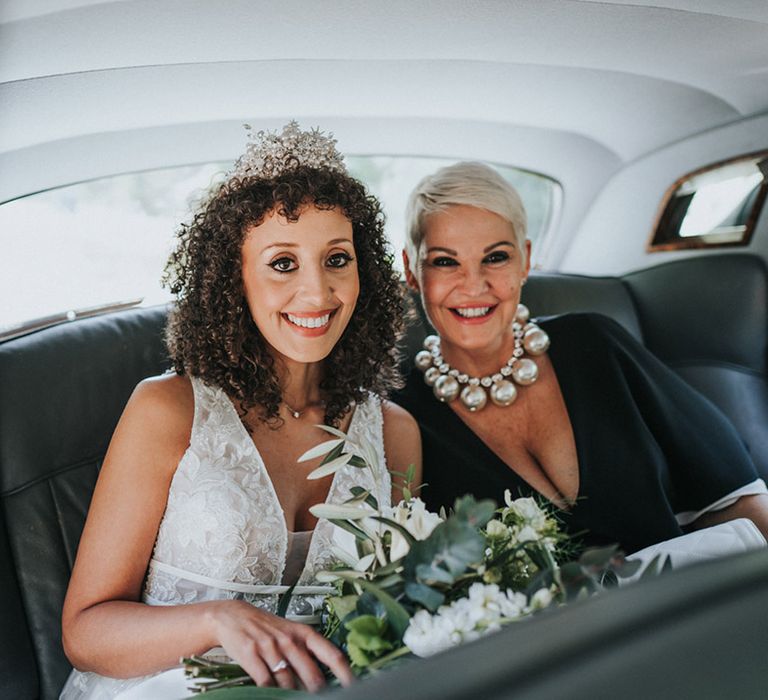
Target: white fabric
x,y
224,535
721,540
754,488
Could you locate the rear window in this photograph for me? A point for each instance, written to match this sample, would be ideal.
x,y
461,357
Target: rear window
x,y
714,207
106,241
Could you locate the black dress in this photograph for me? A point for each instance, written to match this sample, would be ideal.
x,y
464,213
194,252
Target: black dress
x,y
649,446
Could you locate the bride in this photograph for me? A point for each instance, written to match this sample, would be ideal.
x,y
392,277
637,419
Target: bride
x,y
286,317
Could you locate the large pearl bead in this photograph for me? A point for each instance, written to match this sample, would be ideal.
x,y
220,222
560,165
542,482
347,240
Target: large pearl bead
x,y
431,341
431,375
474,397
522,314
423,359
525,372
535,341
503,393
446,388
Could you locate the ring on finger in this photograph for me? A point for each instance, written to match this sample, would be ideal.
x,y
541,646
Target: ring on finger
x,y
279,666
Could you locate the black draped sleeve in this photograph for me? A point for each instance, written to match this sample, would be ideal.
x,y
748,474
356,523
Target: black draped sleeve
x,y
649,446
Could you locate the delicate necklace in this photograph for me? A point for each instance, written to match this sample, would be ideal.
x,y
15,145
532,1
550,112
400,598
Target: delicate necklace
x,y
446,382
297,414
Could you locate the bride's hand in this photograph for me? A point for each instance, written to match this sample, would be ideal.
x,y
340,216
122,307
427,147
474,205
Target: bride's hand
x,y
260,642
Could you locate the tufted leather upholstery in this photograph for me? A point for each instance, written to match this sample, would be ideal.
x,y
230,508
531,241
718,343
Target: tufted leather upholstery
x,y
63,390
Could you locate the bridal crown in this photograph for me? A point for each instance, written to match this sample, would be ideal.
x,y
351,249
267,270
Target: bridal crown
x,y
270,154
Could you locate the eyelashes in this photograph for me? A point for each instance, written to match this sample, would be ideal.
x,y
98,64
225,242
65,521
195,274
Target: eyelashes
x,y
494,258
287,264
284,265
338,260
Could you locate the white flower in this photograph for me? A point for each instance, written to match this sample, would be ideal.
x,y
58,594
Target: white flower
x,y
528,510
527,534
416,519
483,611
427,635
496,528
541,599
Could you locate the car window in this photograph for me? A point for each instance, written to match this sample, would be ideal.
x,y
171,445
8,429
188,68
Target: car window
x,y
713,207
106,241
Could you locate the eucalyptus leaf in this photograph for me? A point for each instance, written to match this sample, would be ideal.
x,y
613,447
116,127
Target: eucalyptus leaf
x,y
475,513
453,545
429,573
421,593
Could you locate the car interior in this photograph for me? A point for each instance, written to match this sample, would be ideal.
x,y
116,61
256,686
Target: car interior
x,y
634,111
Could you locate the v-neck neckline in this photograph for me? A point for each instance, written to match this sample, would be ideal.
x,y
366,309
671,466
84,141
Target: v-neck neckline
x,y
566,390
245,435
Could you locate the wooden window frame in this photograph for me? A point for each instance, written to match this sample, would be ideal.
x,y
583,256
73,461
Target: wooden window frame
x,y
663,241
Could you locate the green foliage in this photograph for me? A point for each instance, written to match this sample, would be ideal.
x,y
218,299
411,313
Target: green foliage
x,y
433,565
367,639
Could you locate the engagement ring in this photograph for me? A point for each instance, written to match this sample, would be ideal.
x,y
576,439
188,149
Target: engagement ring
x,y
279,666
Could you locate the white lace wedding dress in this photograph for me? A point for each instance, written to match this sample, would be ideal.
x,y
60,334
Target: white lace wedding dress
x,y
223,534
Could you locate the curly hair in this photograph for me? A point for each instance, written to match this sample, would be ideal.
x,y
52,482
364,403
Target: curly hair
x,y
210,333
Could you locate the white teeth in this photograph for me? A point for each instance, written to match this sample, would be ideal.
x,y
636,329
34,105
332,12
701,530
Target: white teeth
x,y
474,312
304,322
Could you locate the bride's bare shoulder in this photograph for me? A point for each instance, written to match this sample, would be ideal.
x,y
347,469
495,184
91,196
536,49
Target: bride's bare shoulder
x,y
165,403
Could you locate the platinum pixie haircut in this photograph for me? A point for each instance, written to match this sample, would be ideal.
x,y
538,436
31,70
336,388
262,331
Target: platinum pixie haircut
x,y
473,184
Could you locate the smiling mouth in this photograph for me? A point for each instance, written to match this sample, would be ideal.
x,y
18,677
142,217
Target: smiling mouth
x,y
311,322
473,313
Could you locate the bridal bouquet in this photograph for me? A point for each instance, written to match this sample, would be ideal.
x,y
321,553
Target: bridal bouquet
x,y
413,583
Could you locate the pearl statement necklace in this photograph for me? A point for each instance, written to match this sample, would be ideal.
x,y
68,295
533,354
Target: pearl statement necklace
x,y
446,382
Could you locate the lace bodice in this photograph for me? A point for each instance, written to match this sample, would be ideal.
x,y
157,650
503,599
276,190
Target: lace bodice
x,y
223,534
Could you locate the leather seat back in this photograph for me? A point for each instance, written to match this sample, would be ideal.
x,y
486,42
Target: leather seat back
x,y
64,389
707,318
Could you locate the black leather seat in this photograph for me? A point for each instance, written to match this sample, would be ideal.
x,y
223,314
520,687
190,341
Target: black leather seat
x,y
63,390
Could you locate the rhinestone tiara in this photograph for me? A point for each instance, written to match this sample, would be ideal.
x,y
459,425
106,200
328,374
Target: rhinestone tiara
x,y
269,154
